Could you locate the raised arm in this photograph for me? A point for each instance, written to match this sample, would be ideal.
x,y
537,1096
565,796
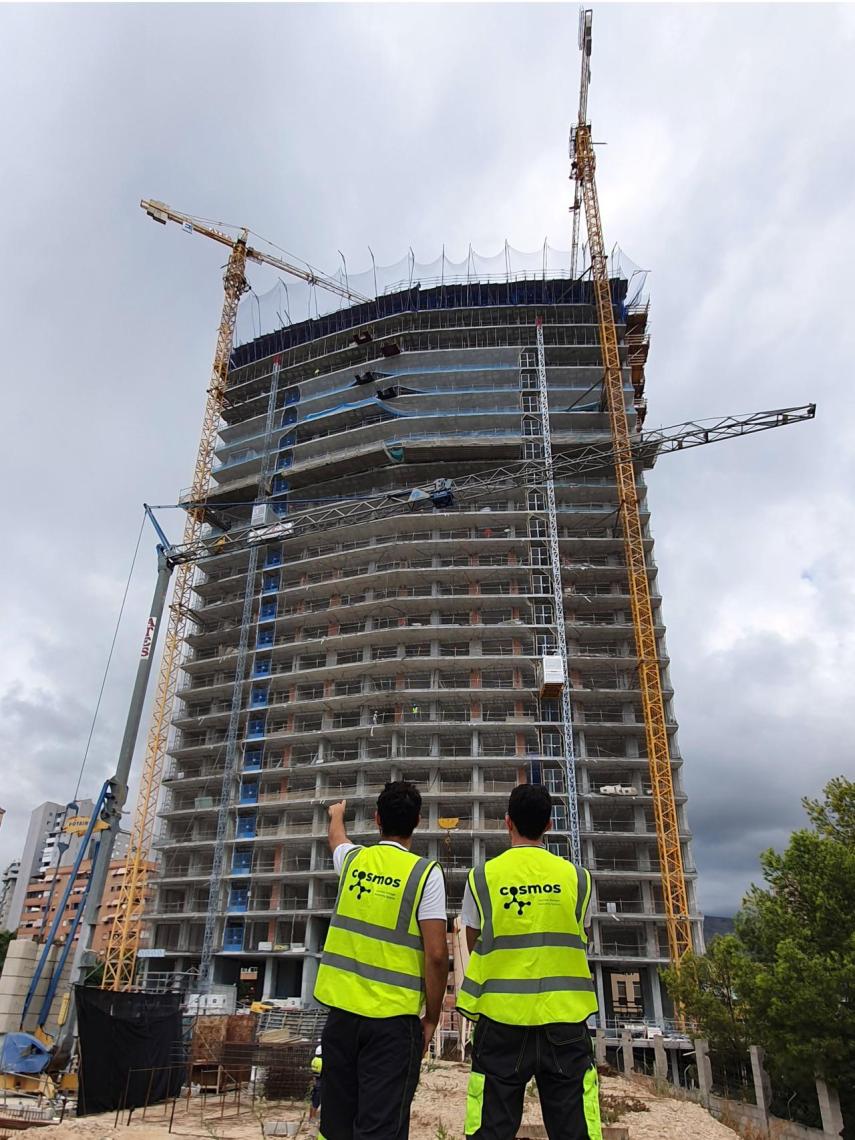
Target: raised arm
x,y
337,833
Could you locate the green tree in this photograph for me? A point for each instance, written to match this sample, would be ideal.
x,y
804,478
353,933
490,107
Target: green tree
x,y
798,980
786,979
706,988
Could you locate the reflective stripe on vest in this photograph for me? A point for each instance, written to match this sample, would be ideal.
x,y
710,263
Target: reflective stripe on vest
x,y
373,958
529,965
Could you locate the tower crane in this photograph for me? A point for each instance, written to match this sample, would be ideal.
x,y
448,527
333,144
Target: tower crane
x,y
649,669
124,934
590,457
124,937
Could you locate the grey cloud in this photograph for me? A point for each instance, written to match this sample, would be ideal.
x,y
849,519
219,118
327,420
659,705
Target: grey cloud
x,y
339,127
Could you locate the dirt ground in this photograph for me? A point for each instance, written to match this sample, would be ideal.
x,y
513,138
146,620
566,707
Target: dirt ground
x,y
438,1112
441,1101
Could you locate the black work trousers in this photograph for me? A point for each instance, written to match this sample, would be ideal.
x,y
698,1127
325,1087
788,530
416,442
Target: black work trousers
x,y
371,1069
506,1057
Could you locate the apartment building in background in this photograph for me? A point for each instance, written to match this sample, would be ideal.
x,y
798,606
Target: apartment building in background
x,y
45,846
44,895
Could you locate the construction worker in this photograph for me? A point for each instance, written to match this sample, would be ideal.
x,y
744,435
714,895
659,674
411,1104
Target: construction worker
x,y
527,984
385,958
317,1067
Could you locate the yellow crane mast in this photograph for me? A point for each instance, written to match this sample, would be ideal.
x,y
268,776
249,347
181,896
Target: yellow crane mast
x,y
123,943
649,671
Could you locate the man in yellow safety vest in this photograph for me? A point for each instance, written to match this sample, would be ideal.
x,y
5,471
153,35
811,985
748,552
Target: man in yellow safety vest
x,y
527,985
317,1068
385,959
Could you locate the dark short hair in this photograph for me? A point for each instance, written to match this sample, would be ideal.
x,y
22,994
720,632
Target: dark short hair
x,y
530,807
399,806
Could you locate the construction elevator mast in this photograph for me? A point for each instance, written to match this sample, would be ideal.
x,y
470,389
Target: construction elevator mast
x,y
649,669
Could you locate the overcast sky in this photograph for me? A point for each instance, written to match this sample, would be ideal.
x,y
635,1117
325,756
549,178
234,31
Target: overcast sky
x,y
729,173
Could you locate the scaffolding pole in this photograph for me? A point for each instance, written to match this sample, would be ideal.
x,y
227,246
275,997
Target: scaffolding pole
x,y
215,909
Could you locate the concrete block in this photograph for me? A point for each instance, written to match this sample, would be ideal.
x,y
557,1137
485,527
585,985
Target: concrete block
x,y
16,969
702,1060
626,1052
600,1046
660,1058
762,1084
25,948
829,1107
15,985
11,1003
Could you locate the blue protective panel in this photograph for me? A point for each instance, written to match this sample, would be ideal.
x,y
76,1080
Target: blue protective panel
x,y
248,793
21,1053
373,402
252,760
233,938
246,827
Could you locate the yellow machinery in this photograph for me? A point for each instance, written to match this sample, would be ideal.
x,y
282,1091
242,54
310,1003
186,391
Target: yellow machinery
x,y
649,675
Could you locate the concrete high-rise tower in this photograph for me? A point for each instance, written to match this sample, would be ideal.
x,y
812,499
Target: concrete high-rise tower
x,y
45,846
408,644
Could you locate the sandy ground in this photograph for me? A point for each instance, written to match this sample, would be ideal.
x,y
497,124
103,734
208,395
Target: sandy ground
x,y
438,1111
441,1100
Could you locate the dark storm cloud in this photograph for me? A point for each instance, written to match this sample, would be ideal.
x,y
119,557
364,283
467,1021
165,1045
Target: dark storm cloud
x,y
728,172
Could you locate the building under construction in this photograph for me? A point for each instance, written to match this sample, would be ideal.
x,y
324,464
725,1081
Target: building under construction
x,y
411,641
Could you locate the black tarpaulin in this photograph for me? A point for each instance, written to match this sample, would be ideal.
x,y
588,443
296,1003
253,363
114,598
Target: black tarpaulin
x,y
129,1046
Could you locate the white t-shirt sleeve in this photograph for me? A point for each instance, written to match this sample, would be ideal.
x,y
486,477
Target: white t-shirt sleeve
x,y
339,854
432,904
469,914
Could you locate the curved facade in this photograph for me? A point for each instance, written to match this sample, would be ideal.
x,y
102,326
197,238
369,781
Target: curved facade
x,y
409,645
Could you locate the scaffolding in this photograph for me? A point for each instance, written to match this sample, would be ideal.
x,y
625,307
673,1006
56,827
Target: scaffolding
x,y
215,907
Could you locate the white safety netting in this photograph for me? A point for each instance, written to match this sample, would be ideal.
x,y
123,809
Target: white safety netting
x,y
291,300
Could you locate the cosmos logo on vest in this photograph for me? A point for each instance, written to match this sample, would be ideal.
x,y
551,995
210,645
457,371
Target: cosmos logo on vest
x,y
363,878
516,894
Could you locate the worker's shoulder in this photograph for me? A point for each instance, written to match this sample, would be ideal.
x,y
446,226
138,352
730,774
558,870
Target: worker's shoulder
x,y
541,854
568,865
502,857
387,850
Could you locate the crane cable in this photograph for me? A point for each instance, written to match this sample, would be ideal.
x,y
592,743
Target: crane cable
x,y
109,659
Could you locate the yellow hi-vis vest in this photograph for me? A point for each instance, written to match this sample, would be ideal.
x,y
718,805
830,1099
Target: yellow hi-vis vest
x,y
373,961
529,965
